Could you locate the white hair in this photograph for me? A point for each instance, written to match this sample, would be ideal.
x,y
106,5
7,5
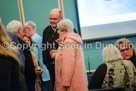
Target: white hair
x,y
65,25
111,53
31,23
13,26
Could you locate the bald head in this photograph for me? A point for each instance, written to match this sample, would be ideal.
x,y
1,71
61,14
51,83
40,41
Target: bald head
x,y
56,11
55,17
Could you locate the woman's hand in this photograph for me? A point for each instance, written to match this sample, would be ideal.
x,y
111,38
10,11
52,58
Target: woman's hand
x,y
38,71
53,53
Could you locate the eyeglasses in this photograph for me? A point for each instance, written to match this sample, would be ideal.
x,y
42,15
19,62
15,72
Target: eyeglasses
x,y
54,18
125,50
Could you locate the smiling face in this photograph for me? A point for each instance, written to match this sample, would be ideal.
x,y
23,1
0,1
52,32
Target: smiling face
x,y
55,17
27,40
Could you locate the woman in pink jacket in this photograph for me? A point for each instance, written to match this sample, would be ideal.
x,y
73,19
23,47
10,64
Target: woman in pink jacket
x,y
70,72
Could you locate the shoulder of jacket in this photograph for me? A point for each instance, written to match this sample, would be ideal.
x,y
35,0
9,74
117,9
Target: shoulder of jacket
x,y
8,58
47,28
69,41
128,62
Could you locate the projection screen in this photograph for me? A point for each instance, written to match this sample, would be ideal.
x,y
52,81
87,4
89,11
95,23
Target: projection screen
x,y
106,18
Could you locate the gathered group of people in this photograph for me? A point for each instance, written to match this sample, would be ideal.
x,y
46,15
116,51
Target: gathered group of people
x,y
33,67
60,66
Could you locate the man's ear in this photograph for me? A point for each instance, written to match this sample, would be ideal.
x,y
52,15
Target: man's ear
x,y
61,18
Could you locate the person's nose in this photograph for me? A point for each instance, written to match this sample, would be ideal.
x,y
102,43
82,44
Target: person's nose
x,y
125,51
51,20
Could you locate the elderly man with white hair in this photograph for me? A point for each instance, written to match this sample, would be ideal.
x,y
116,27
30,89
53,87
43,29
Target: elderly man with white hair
x,y
14,27
29,71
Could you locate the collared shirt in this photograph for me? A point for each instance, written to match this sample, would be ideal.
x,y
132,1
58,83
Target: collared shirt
x,y
36,48
54,30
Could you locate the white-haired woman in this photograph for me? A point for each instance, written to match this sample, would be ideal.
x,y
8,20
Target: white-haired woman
x,y
115,72
70,73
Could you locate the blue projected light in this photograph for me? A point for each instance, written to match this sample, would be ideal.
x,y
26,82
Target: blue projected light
x,y
103,13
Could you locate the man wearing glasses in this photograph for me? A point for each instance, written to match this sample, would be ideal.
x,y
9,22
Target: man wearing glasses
x,y
49,36
127,50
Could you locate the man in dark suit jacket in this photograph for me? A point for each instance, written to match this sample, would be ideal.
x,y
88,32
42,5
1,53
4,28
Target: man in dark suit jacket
x,y
15,41
29,72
